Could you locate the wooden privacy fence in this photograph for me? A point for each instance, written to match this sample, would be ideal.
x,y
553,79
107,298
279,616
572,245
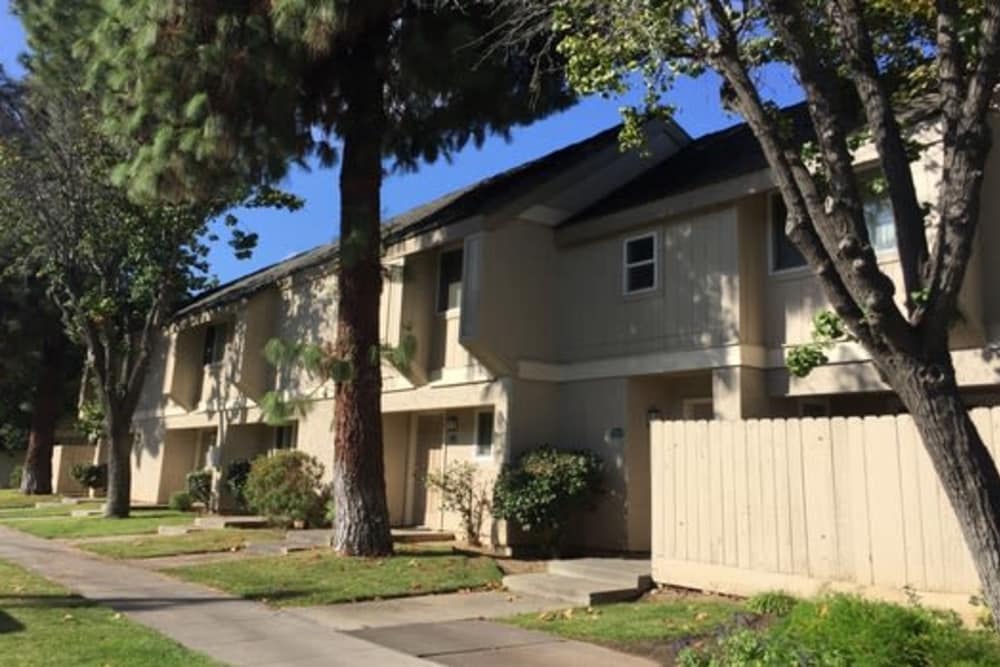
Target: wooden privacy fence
x,y
802,504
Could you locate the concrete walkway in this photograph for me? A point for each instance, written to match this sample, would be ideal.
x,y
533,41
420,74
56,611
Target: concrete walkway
x,y
425,609
453,629
487,644
229,629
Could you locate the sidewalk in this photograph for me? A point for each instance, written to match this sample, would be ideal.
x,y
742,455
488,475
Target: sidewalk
x,y
454,629
229,629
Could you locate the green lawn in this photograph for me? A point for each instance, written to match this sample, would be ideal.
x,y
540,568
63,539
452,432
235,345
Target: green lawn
x,y
44,625
141,521
772,629
321,577
645,621
208,541
14,498
45,512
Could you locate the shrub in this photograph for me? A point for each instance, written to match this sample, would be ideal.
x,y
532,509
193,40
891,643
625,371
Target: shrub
x,y
847,630
235,480
775,603
16,473
199,486
181,501
287,488
460,492
90,475
544,488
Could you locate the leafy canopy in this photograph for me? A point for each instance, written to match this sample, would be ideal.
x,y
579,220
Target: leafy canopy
x,y
217,93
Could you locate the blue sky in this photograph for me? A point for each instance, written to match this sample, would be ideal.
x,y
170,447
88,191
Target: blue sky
x,y
284,234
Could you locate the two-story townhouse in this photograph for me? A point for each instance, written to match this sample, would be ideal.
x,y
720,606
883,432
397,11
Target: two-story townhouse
x,y
448,284
565,302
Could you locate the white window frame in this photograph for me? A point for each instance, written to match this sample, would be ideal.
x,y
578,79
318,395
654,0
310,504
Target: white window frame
x,y
439,308
293,427
885,254
493,430
771,270
655,261
688,405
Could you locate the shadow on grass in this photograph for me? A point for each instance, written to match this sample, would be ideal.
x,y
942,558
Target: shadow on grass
x,y
9,624
53,601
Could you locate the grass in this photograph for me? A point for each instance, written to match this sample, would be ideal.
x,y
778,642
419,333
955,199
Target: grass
x,y
208,541
652,620
774,629
322,577
13,498
46,512
42,624
141,522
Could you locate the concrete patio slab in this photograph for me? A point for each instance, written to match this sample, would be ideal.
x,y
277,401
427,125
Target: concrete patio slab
x,y
425,609
489,644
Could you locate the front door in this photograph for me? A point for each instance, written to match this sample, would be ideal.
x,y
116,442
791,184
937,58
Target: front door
x,y
429,457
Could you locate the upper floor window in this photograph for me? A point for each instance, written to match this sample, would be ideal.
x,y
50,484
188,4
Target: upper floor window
x,y
215,343
484,433
878,219
640,263
286,436
450,280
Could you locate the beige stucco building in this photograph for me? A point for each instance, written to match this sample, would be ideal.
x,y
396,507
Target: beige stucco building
x,y
564,302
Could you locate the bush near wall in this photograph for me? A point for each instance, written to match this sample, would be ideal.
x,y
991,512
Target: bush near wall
x,y
90,475
544,488
287,488
199,486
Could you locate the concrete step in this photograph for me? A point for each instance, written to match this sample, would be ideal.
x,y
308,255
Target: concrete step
x,y
625,573
173,531
308,539
574,590
210,522
418,535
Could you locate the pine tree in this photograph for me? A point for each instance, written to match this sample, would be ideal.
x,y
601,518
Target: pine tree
x,y
223,93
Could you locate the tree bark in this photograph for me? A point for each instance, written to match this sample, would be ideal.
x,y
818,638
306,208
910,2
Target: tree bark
x,y
119,492
37,475
967,472
361,516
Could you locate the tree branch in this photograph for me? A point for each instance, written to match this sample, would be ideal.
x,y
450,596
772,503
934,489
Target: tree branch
x,y
911,238
967,142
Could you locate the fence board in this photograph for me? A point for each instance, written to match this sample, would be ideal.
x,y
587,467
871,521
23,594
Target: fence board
x,y
853,500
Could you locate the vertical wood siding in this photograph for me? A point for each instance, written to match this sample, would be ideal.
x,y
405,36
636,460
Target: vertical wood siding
x,y
797,504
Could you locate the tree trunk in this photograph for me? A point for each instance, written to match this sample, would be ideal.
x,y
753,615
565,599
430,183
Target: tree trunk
x,y
361,515
37,475
967,471
119,492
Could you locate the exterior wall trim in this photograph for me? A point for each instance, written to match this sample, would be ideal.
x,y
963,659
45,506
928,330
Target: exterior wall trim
x,y
648,364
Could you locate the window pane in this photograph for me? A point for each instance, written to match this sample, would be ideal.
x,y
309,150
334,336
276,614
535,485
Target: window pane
x,y
450,285
881,226
784,254
640,277
208,352
484,433
639,250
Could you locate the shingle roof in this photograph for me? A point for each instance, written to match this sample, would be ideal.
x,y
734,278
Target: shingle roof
x,y
717,157
479,198
711,158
